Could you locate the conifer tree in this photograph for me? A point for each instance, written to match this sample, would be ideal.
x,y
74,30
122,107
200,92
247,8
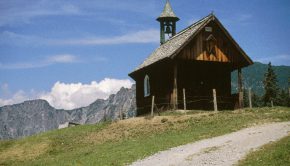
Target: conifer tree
x,y
283,98
270,86
256,100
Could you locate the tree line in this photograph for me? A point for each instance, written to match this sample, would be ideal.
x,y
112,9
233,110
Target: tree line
x,y
272,93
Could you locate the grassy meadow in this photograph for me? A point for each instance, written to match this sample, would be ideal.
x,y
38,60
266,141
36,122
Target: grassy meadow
x,y
274,154
122,142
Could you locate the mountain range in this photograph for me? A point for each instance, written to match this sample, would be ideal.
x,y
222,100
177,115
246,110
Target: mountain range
x,y
32,117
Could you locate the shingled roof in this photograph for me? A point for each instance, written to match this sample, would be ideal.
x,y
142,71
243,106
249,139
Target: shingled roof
x,y
172,45
167,12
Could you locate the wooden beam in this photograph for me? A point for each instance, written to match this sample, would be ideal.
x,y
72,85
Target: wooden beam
x,y
250,99
175,91
214,100
240,89
184,100
152,106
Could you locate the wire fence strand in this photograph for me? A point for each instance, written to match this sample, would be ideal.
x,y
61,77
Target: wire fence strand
x,y
163,101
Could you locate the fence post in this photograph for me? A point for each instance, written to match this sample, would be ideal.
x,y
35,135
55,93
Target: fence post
x,y
175,89
240,88
272,103
152,106
250,98
214,100
184,99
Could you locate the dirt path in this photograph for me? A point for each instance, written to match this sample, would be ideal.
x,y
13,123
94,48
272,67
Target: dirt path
x,y
223,150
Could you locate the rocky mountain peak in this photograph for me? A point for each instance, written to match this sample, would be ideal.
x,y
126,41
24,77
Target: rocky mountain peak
x,y
35,116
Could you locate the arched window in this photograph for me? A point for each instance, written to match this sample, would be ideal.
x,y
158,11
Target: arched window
x,y
146,86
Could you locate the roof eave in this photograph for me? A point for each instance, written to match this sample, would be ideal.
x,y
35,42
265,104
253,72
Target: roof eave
x,y
167,19
132,74
249,60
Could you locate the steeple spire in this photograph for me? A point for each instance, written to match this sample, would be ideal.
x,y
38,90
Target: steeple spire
x,y
167,21
168,12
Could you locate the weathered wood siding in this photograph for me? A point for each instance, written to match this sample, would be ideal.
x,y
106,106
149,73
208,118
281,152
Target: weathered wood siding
x,y
161,86
199,78
225,50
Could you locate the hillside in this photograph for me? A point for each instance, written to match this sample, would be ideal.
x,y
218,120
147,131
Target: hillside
x,y
253,77
122,142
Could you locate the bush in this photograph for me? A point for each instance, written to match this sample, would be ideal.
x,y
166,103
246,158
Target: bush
x,y
163,120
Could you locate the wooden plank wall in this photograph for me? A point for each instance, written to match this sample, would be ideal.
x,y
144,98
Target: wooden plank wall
x,y
224,49
161,86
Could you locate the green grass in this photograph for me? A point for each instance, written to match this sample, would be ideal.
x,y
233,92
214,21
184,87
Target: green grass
x,y
274,154
120,143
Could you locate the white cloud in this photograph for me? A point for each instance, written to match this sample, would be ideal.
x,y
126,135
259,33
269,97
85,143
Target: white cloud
x,y
4,89
144,36
64,58
8,37
15,12
282,59
18,97
51,60
70,96
70,9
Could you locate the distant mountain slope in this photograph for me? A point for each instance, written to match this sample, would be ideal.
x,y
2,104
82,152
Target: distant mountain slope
x,y
31,117
253,77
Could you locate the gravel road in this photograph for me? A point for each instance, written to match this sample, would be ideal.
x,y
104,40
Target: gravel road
x,y
223,150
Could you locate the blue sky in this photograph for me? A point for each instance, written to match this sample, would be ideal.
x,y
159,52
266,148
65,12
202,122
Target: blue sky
x,y
45,44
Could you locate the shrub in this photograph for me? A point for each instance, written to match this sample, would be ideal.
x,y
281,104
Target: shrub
x,y
163,120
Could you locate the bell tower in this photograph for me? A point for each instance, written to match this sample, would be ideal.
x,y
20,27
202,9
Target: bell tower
x,y
167,21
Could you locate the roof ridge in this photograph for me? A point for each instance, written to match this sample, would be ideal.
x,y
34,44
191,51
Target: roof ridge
x,y
190,26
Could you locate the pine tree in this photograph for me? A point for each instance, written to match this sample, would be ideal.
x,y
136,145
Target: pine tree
x,y
270,86
288,99
283,98
288,93
256,100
